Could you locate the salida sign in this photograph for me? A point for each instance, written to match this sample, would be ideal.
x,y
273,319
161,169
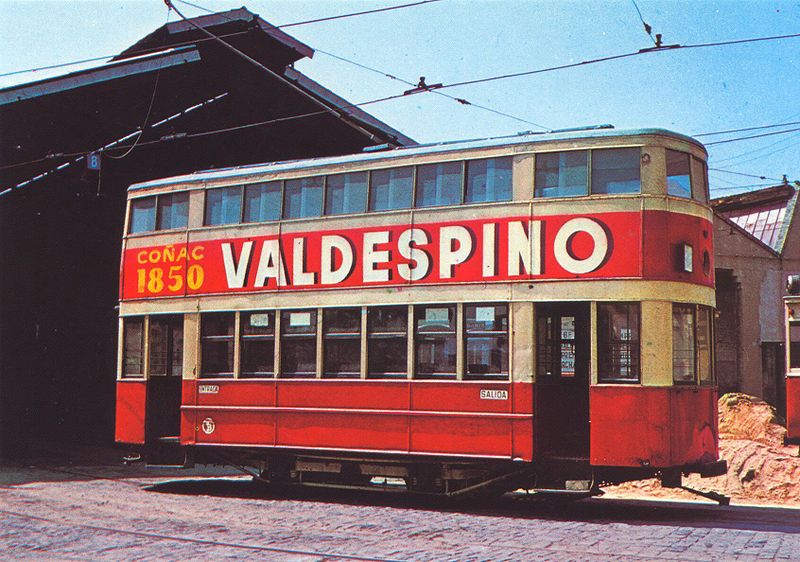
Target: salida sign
x,y
485,250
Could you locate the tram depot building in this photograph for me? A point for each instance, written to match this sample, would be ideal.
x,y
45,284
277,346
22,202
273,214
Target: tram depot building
x,y
61,221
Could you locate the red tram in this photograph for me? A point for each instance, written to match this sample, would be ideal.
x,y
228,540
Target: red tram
x,y
529,311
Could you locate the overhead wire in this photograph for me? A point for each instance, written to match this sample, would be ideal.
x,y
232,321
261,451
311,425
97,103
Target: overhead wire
x,y
461,101
647,27
743,174
470,82
293,24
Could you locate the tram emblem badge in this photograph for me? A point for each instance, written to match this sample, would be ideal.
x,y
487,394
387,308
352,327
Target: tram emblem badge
x,y
208,426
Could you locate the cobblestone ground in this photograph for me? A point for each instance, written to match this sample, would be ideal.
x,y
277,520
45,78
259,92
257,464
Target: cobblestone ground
x,y
76,517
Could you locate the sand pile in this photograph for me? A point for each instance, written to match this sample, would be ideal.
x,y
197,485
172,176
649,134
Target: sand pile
x,y
761,469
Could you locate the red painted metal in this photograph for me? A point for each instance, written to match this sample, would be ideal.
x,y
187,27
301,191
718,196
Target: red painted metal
x,y
653,426
130,423
412,417
793,408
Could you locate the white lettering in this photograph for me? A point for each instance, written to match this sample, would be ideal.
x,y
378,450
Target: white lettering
x,y
373,257
236,273
562,241
407,247
524,247
448,256
299,274
270,264
329,275
489,259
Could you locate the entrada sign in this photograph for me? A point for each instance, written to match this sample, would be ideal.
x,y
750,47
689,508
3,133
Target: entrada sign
x,y
487,250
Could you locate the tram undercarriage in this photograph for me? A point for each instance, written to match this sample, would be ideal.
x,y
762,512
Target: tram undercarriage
x,y
569,478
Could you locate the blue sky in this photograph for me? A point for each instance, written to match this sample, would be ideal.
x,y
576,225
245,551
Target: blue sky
x,y
692,91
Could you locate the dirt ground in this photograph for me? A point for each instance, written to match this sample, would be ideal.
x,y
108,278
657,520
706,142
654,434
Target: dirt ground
x,y
761,469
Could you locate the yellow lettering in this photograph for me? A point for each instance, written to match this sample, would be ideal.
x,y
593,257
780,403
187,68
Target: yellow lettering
x,y
169,253
154,256
197,253
156,282
195,277
181,254
141,257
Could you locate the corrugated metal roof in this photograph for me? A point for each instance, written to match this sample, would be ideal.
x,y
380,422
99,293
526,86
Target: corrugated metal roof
x,y
764,214
434,148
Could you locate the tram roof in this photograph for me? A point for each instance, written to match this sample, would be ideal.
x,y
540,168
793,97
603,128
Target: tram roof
x,y
417,150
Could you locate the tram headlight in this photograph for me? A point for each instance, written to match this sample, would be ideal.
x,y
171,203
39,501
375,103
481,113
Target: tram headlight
x,y
793,284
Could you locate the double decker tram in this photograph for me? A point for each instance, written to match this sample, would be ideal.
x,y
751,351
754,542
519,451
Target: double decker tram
x,y
530,311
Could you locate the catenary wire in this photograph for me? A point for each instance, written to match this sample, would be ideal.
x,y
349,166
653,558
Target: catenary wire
x,y
461,101
743,174
647,28
463,83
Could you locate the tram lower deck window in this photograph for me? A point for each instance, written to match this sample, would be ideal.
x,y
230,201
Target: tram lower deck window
x,y
342,343
298,343
486,341
257,344
217,342
618,342
133,347
684,368
435,341
387,342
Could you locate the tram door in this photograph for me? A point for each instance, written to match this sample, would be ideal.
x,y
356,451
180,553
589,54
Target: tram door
x,y
562,380
163,422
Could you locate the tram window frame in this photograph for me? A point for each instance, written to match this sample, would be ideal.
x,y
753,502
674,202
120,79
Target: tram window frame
x,y
263,209
441,191
253,337
611,172
218,212
700,186
705,369
445,335
678,166
397,191
477,330
155,214
385,339
689,349
169,344
311,197
545,172
501,184
341,338
295,340
344,205
613,346
215,341
133,356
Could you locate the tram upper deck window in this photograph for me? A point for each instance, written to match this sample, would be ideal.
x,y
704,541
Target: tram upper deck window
x,y
488,180
387,341
262,202
303,198
435,345
618,342
486,341
298,343
217,343
342,343
133,347
257,344
616,170
159,212
679,182
391,189
562,174
439,184
346,194
224,205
